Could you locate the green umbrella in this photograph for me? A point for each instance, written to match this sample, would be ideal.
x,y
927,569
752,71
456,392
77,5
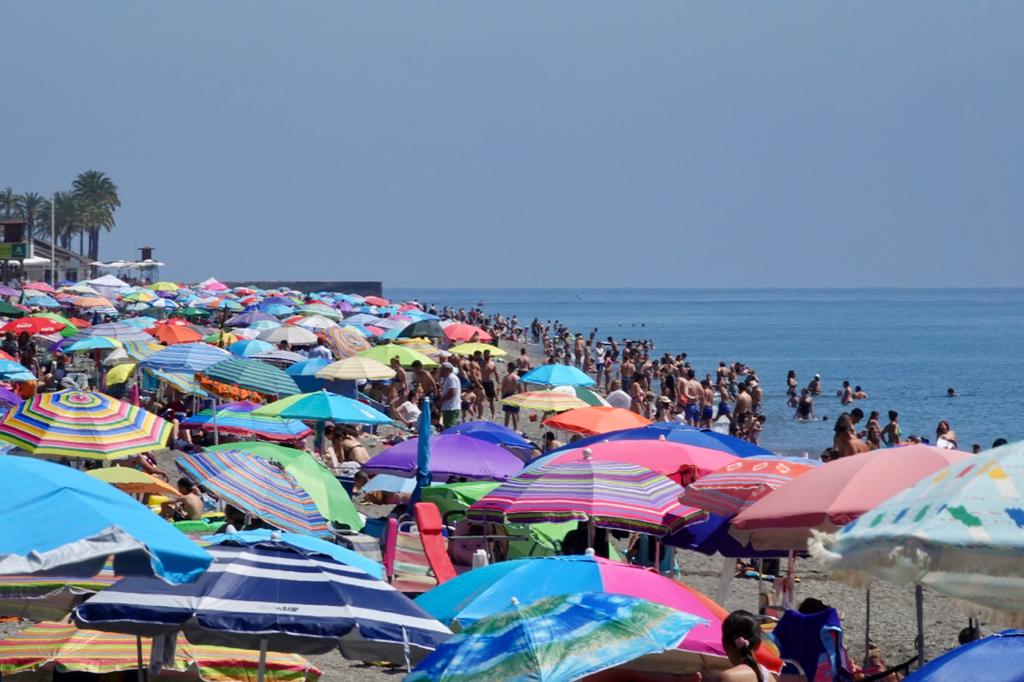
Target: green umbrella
x,y
330,498
194,312
10,310
69,327
252,375
406,356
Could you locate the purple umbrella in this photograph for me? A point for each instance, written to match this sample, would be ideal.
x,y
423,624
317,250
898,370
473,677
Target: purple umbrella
x,y
7,291
9,397
451,456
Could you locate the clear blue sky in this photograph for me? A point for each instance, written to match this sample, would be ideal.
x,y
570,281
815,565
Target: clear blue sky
x,y
535,143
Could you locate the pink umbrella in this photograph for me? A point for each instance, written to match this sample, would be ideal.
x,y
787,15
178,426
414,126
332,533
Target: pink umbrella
x,y
681,462
832,495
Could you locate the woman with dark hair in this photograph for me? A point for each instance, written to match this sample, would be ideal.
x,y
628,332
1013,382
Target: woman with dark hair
x,y
741,636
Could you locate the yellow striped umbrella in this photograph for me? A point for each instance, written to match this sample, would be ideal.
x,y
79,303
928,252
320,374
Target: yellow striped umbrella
x,y
356,368
64,647
544,401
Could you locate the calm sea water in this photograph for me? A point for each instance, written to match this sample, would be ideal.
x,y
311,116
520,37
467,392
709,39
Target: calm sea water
x,y
904,347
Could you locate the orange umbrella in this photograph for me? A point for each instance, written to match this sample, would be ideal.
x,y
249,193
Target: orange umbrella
x,y
465,332
594,420
171,334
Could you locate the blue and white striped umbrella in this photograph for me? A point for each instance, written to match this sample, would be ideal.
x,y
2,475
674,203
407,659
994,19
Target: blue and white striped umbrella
x,y
185,358
273,595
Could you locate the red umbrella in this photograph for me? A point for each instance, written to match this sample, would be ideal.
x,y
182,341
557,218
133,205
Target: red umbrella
x,y
836,493
737,485
465,332
377,300
599,419
33,325
40,286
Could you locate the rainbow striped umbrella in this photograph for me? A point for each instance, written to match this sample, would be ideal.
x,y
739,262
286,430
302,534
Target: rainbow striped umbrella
x,y
256,486
610,494
737,485
42,597
83,424
64,647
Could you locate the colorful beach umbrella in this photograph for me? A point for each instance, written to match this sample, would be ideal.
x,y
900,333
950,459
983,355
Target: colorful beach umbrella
x,y
557,375
557,639
679,462
833,495
91,343
593,420
184,358
257,487
33,325
318,481
172,334
47,596
460,331
133,481
324,406
83,424
356,368
294,336
483,592
276,595
737,485
248,348
956,531
251,375
451,456
679,433
345,341
494,433
342,555
406,356
995,658
609,494
238,419
61,646
115,330
58,519
471,348
544,401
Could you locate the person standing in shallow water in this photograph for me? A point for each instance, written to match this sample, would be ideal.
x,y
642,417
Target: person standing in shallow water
x,y
891,433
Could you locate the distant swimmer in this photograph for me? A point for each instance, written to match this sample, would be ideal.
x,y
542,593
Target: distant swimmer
x,y
951,393
815,386
859,394
805,406
846,394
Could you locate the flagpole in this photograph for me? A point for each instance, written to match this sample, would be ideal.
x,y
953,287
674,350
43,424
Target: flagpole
x,y
53,239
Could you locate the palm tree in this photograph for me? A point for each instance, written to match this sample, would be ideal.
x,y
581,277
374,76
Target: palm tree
x,y
97,196
8,201
30,205
69,217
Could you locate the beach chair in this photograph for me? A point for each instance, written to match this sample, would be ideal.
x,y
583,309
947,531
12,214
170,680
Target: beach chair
x,y
411,569
811,646
388,548
435,548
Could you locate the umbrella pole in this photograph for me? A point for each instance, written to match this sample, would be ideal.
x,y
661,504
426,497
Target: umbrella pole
x,y
919,607
263,660
867,620
216,431
590,533
138,656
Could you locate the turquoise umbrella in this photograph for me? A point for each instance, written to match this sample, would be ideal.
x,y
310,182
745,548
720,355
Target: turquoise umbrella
x,y
324,406
58,519
557,639
251,375
958,532
557,375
